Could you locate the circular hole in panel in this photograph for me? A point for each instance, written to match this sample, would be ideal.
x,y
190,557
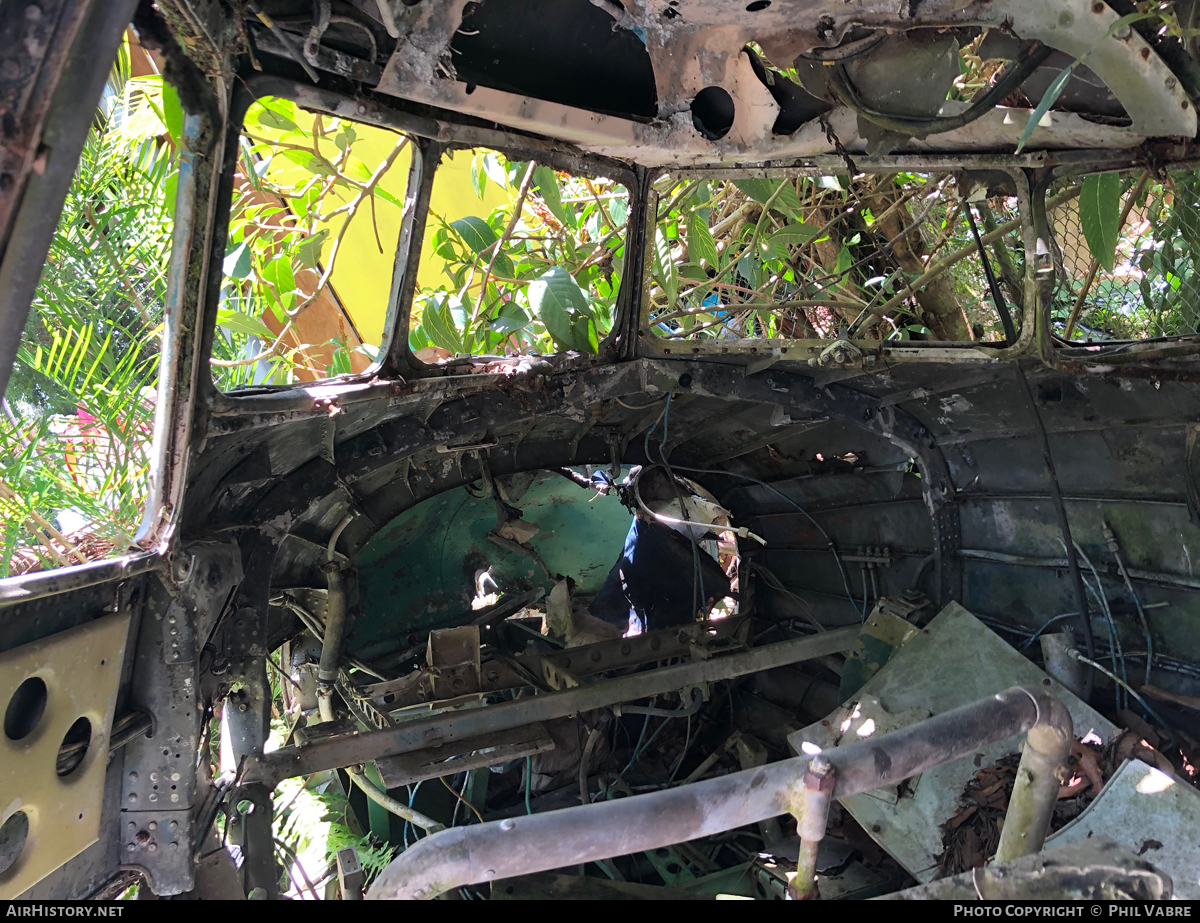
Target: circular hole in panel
x,y
74,747
13,834
712,113
757,5
662,852
674,868
25,708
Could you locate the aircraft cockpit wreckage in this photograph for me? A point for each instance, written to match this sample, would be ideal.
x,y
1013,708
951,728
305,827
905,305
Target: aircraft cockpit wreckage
x,y
620,449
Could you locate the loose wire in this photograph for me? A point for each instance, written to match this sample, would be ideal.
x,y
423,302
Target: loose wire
x,y
832,548
1116,679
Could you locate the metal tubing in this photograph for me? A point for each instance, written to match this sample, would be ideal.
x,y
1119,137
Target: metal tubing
x,y
335,628
388,803
1035,792
335,624
812,817
436,730
556,839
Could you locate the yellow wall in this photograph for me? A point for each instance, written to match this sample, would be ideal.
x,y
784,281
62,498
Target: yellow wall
x,y
362,276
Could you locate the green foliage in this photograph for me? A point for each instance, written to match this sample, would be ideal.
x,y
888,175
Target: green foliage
x,y
1099,215
781,194
761,243
76,423
543,280
1151,285
562,306
300,185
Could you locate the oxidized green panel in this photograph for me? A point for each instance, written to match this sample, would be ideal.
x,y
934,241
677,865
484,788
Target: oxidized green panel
x,y
418,572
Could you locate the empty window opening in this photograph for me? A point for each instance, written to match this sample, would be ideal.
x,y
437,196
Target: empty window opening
x,y
1126,249
814,257
313,231
518,258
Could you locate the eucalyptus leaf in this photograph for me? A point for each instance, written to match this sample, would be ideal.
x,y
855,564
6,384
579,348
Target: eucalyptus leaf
x,y
665,263
237,263
272,119
308,251
278,274
479,236
1050,97
844,260
794,234
475,232
438,324
494,169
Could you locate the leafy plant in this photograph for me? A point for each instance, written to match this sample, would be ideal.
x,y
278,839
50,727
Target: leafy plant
x,y
538,273
799,258
300,185
76,423
1099,214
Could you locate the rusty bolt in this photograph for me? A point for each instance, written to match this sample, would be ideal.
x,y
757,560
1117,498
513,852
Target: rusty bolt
x,y
819,777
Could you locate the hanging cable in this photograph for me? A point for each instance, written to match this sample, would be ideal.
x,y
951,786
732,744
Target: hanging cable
x,y
1111,538
832,548
1026,63
1010,332
1058,618
1102,598
1064,527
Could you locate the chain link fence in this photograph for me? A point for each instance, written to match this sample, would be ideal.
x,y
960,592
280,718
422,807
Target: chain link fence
x,y
1151,289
